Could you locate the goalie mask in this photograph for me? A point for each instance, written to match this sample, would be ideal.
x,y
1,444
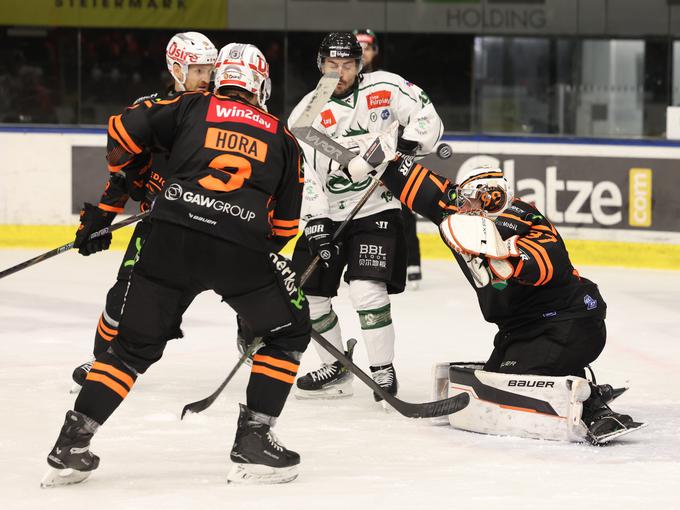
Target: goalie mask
x,y
244,67
488,185
189,48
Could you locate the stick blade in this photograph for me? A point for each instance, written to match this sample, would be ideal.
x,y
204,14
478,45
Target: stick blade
x,y
430,409
196,407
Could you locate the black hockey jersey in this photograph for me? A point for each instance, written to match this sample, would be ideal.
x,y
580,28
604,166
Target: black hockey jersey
x,y
544,285
234,170
140,178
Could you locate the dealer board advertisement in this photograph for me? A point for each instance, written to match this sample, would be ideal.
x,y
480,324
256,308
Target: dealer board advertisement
x,y
593,186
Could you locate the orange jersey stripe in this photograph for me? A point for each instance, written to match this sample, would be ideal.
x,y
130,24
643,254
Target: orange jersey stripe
x,y
118,374
103,334
539,261
544,228
516,218
274,374
438,183
110,331
120,129
286,365
416,187
409,182
110,208
285,223
282,232
546,258
519,267
108,382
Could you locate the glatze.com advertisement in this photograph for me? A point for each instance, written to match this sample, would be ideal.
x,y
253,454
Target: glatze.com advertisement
x,y
588,190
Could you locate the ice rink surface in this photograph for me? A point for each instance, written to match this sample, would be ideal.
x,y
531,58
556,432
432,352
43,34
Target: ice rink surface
x,y
354,454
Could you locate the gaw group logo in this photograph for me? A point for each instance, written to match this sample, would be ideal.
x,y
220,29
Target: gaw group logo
x,y
174,191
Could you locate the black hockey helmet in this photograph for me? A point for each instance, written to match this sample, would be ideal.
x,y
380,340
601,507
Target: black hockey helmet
x,y
340,45
366,36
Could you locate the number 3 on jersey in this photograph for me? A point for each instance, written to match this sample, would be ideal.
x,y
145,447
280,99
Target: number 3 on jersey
x,y
237,168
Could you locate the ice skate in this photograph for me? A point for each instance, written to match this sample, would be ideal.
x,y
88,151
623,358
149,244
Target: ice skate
x,y
71,460
605,425
330,381
386,377
80,374
258,456
413,277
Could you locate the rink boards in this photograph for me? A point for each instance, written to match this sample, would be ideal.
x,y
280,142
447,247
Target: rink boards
x,y
615,202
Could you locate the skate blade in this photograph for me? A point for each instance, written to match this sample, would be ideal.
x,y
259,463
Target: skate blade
x,y
58,477
328,393
258,474
602,440
75,389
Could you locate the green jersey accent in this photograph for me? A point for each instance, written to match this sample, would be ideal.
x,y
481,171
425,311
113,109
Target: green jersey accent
x,y
133,260
338,184
297,302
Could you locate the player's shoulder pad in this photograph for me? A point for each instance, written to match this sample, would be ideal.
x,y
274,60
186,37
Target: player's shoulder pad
x,y
156,96
525,211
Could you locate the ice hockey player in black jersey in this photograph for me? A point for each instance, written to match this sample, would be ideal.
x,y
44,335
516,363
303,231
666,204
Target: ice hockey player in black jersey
x,y
190,57
551,320
231,200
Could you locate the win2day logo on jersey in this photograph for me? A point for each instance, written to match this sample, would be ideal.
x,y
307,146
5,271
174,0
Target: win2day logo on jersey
x,y
231,111
379,99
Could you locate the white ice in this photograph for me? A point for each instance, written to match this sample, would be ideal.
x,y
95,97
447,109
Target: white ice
x,y
354,454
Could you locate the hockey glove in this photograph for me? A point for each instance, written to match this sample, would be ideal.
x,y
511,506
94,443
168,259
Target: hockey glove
x,y
319,233
93,219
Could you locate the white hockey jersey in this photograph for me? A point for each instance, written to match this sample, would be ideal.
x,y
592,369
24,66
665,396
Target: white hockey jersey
x,y
380,99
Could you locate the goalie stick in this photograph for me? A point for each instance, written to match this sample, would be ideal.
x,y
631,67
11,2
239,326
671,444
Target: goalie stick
x,y
68,246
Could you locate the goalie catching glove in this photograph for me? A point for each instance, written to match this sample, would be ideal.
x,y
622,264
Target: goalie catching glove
x,y
93,219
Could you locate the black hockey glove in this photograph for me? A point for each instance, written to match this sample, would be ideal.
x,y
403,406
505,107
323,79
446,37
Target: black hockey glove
x,y
319,233
93,219
407,147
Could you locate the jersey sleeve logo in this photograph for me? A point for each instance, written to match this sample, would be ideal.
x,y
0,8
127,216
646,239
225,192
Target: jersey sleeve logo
x,y
231,111
379,99
327,119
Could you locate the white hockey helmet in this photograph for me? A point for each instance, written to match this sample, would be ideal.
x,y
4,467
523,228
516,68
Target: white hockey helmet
x,y
188,48
243,66
488,184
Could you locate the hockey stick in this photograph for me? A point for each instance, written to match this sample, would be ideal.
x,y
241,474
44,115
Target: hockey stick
x,y
202,405
322,93
410,410
67,247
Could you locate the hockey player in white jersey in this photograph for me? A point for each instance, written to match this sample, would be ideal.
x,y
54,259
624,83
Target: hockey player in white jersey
x,y
372,248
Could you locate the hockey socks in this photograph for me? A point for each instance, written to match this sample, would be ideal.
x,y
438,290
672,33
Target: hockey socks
x,y
106,385
271,378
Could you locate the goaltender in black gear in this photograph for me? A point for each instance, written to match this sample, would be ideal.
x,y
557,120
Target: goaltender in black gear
x,y
231,201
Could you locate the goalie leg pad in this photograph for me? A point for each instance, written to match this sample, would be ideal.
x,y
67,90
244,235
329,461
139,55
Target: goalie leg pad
x,y
539,407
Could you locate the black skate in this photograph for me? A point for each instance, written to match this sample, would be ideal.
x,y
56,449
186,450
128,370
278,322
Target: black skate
x,y
258,456
79,375
71,460
330,381
386,377
603,424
